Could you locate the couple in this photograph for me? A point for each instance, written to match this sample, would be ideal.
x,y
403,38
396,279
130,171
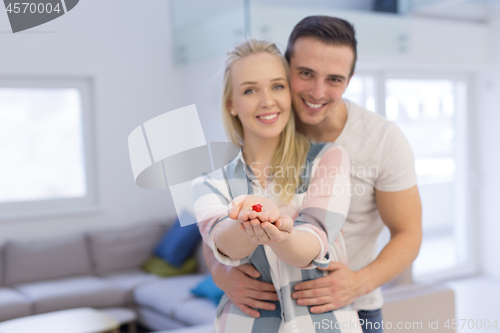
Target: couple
x,y
297,261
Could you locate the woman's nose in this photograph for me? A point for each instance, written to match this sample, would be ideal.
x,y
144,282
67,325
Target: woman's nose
x,y
267,99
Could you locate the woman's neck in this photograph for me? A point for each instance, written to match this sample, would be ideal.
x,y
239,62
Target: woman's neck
x,y
258,153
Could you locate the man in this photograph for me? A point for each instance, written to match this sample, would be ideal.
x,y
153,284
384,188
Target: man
x,y
322,56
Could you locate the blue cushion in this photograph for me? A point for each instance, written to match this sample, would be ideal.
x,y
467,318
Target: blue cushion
x,y
178,244
207,288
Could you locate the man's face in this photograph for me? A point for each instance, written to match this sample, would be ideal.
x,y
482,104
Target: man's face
x,y
320,75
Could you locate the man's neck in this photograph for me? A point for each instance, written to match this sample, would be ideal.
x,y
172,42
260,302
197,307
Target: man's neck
x,y
330,128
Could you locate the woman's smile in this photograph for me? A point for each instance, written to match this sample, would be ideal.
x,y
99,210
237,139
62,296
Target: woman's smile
x,y
269,117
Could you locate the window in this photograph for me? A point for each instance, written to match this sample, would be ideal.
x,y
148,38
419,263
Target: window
x,y
361,90
45,140
432,114
425,111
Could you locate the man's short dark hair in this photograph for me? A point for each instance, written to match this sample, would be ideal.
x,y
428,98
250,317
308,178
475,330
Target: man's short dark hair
x,y
329,30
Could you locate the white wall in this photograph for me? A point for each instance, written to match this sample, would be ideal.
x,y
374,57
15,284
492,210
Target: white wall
x,y
124,47
488,155
439,45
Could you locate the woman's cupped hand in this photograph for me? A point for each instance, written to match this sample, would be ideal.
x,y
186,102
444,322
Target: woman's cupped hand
x,y
265,227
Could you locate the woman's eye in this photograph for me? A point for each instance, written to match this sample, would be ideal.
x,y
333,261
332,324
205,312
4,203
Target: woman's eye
x,y
279,87
249,91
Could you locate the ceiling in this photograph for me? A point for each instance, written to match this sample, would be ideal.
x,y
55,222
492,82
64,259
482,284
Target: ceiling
x,y
468,10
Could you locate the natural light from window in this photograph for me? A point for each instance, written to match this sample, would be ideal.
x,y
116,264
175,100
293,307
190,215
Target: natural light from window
x,y
41,142
428,111
431,113
361,90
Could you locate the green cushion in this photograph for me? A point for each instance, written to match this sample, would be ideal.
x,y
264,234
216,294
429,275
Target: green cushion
x,y
160,267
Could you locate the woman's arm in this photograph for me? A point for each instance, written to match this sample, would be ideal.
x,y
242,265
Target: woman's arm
x,y
231,241
298,250
210,201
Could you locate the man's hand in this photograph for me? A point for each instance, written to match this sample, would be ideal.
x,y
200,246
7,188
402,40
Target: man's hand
x,y
336,290
243,290
401,212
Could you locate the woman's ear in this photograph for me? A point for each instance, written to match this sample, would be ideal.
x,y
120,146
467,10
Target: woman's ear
x,y
229,105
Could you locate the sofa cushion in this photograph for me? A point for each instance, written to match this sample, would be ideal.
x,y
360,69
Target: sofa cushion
x,y
45,259
160,267
207,288
203,308
13,304
166,294
123,249
83,291
178,243
156,321
128,280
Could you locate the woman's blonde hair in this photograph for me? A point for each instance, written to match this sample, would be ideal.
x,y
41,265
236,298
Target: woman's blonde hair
x,y
293,146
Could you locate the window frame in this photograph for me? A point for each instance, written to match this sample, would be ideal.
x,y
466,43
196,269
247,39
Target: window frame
x,y
32,209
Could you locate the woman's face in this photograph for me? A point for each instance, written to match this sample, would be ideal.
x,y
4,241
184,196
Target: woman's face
x,y
261,95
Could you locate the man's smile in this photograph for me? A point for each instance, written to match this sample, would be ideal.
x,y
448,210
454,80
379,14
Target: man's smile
x,y
313,106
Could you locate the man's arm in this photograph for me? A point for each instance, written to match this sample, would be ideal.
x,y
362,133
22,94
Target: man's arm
x,y
240,285
401,212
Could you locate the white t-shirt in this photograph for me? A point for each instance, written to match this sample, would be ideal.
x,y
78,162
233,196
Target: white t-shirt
x,y
381,159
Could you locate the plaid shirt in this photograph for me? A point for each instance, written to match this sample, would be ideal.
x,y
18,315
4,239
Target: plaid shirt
x,y
319,206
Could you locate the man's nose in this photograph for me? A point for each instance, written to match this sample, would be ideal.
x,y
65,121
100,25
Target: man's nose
x,y
317,90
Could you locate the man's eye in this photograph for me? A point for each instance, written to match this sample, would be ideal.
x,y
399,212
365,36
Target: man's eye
x,y
305,73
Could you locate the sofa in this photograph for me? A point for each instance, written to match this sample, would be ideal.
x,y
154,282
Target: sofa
x,y
99,269
102,269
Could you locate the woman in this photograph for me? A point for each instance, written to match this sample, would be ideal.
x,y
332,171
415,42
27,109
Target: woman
x,y
303,190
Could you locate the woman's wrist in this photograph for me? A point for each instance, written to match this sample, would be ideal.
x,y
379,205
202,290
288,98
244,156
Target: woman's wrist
x,y
298,250
231,242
